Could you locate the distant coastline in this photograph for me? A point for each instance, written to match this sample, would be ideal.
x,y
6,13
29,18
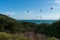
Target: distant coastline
x,y
38,21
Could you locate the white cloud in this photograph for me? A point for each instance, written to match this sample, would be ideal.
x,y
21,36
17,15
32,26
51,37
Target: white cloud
x,y
32,15
52,16
9,13
57,2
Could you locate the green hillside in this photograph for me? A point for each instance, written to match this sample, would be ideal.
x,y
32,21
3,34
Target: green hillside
x,y
8,24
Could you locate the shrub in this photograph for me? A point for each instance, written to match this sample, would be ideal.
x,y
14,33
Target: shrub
x,y
4,36
52,38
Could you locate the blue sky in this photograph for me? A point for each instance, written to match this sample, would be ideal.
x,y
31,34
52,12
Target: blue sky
x,y
18,9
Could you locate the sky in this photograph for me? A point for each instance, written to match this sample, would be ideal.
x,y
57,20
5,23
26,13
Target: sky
x,y
31,9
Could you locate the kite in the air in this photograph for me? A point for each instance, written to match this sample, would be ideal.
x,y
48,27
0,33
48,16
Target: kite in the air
x,y
41,10
51,8
27,11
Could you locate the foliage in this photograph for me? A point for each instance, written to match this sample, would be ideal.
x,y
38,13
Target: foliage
x,y
11,25
55,29
52,38
8,24
42,28
28,26
5,36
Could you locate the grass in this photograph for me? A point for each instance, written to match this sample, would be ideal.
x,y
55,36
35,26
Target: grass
x,y
5,36
52,38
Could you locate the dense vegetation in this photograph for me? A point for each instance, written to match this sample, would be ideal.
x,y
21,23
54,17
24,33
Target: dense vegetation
x,y
10,25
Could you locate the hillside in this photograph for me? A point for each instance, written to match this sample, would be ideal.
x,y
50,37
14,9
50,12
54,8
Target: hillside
x,y
8,24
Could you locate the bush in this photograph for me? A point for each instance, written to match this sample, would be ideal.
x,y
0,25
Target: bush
x,y
4,36
52,38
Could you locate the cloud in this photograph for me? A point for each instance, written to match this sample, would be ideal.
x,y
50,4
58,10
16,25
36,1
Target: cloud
x,y
57,2
20,15
32,15
52,16
9,13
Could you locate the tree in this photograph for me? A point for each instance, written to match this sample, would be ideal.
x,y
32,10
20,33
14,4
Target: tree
x,y
8,24
41,28
55,29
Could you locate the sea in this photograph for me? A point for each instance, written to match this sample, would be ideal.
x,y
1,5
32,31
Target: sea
x,y
38,21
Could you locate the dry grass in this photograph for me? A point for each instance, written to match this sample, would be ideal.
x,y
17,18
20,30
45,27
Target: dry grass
x,y
5,36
